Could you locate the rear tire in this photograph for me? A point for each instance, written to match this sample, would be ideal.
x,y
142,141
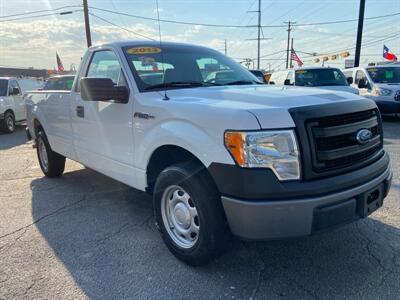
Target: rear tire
x,y
7,125
51,163
189,214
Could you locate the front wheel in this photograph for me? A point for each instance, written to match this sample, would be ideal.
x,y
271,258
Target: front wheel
x,y
51,163
8,123
189,214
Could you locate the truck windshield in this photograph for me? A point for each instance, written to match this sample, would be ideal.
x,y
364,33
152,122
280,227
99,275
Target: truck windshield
x,y
385,75
320,77
3,87
177,66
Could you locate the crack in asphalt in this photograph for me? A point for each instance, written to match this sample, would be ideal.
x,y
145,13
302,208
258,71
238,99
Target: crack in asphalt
x,y
388,271
44,217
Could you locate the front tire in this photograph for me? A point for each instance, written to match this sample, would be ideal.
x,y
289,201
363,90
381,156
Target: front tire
x,y
51,163
8,123
189,214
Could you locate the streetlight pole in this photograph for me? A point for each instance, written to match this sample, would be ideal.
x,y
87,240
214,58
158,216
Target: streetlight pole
x,y
359,33
87,24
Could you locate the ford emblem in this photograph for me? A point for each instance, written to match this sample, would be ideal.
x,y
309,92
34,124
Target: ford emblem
x,y
363,136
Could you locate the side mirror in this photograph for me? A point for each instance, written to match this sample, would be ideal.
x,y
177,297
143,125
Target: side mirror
x,y
362,84
287,82
349,80
103,89
15,91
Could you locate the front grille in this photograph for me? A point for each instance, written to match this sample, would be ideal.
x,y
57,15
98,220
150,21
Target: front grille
x,y
334,144
327,136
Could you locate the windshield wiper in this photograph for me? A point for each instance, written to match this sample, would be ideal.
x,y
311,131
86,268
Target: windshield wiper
x,y
175,84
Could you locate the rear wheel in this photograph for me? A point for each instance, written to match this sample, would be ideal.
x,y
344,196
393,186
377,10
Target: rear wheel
x,y
189,214
51,163
8,123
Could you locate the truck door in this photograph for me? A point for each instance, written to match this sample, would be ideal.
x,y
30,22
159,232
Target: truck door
x,y
103,133
15,93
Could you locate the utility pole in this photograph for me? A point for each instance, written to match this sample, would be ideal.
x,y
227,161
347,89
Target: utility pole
x,y
226,49
291,51
288,42
259,35
359,33
87,25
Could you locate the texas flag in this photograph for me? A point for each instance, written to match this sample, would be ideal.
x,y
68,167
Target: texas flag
x,y
388,55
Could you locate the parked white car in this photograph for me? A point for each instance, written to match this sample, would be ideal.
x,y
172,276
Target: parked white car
x,y
380,83
218,156
12,106
315,77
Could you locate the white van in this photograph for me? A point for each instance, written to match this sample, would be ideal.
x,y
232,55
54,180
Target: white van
x,y
379,83
318,77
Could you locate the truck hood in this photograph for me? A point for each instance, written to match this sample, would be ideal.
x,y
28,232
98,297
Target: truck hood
x,y
269,104
390,86
340,88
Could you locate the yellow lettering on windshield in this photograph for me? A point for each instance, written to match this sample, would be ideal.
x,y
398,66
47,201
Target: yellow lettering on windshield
x,y
143,50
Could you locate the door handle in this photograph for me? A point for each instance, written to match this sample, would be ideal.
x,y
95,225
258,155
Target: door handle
x,y
80,111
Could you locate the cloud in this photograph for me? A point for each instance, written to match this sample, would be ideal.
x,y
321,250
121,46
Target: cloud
x,y
35,43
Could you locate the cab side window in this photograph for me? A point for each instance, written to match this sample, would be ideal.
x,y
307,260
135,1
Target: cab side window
x,y
290,77
13,84
105,64
360,75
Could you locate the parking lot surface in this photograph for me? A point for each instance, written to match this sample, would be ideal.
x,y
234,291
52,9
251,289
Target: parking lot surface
x,y
87,236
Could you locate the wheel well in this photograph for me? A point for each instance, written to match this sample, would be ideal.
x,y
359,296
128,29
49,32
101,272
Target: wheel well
x,y
162,158
10,111
37,126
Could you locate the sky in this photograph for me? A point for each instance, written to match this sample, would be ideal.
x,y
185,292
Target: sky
x,y
33,42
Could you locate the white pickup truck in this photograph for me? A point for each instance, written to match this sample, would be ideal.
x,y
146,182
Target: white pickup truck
x,y
220,156
12,108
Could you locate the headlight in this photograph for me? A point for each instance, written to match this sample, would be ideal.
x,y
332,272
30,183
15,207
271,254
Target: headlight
x,y
378,91
276,150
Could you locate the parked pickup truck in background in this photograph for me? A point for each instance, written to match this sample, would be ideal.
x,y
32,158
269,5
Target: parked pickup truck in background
x,y
219,157
379,83
12,107
313,77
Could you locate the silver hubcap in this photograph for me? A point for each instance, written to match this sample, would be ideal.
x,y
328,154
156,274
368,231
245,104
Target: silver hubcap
x,y
10,124
43,154
180,216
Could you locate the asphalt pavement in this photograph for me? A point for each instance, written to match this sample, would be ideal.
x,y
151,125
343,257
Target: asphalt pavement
x,y
87,236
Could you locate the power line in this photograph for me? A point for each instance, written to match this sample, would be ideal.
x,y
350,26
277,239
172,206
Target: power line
x,y
120,27
347,21
233,25
40,11
43,15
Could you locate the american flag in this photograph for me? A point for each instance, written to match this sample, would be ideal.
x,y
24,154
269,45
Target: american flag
x,y
59,63
294,57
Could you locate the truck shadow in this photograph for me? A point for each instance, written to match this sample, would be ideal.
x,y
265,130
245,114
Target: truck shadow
x,y
8,141
104,234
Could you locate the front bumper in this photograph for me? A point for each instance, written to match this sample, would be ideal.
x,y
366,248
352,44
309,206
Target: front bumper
x,y
388,107
293,209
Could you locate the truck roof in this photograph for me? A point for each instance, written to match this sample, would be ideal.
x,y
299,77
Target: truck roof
x,y
145,43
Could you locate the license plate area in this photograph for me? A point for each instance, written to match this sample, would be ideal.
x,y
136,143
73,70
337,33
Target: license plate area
x,y
370,201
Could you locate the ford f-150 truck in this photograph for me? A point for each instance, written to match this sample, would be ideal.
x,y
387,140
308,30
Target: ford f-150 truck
x,y
220,154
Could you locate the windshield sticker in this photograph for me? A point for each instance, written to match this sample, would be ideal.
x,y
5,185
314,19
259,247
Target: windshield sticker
x,y
301,72
143,50
147,61
372,70
389,74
